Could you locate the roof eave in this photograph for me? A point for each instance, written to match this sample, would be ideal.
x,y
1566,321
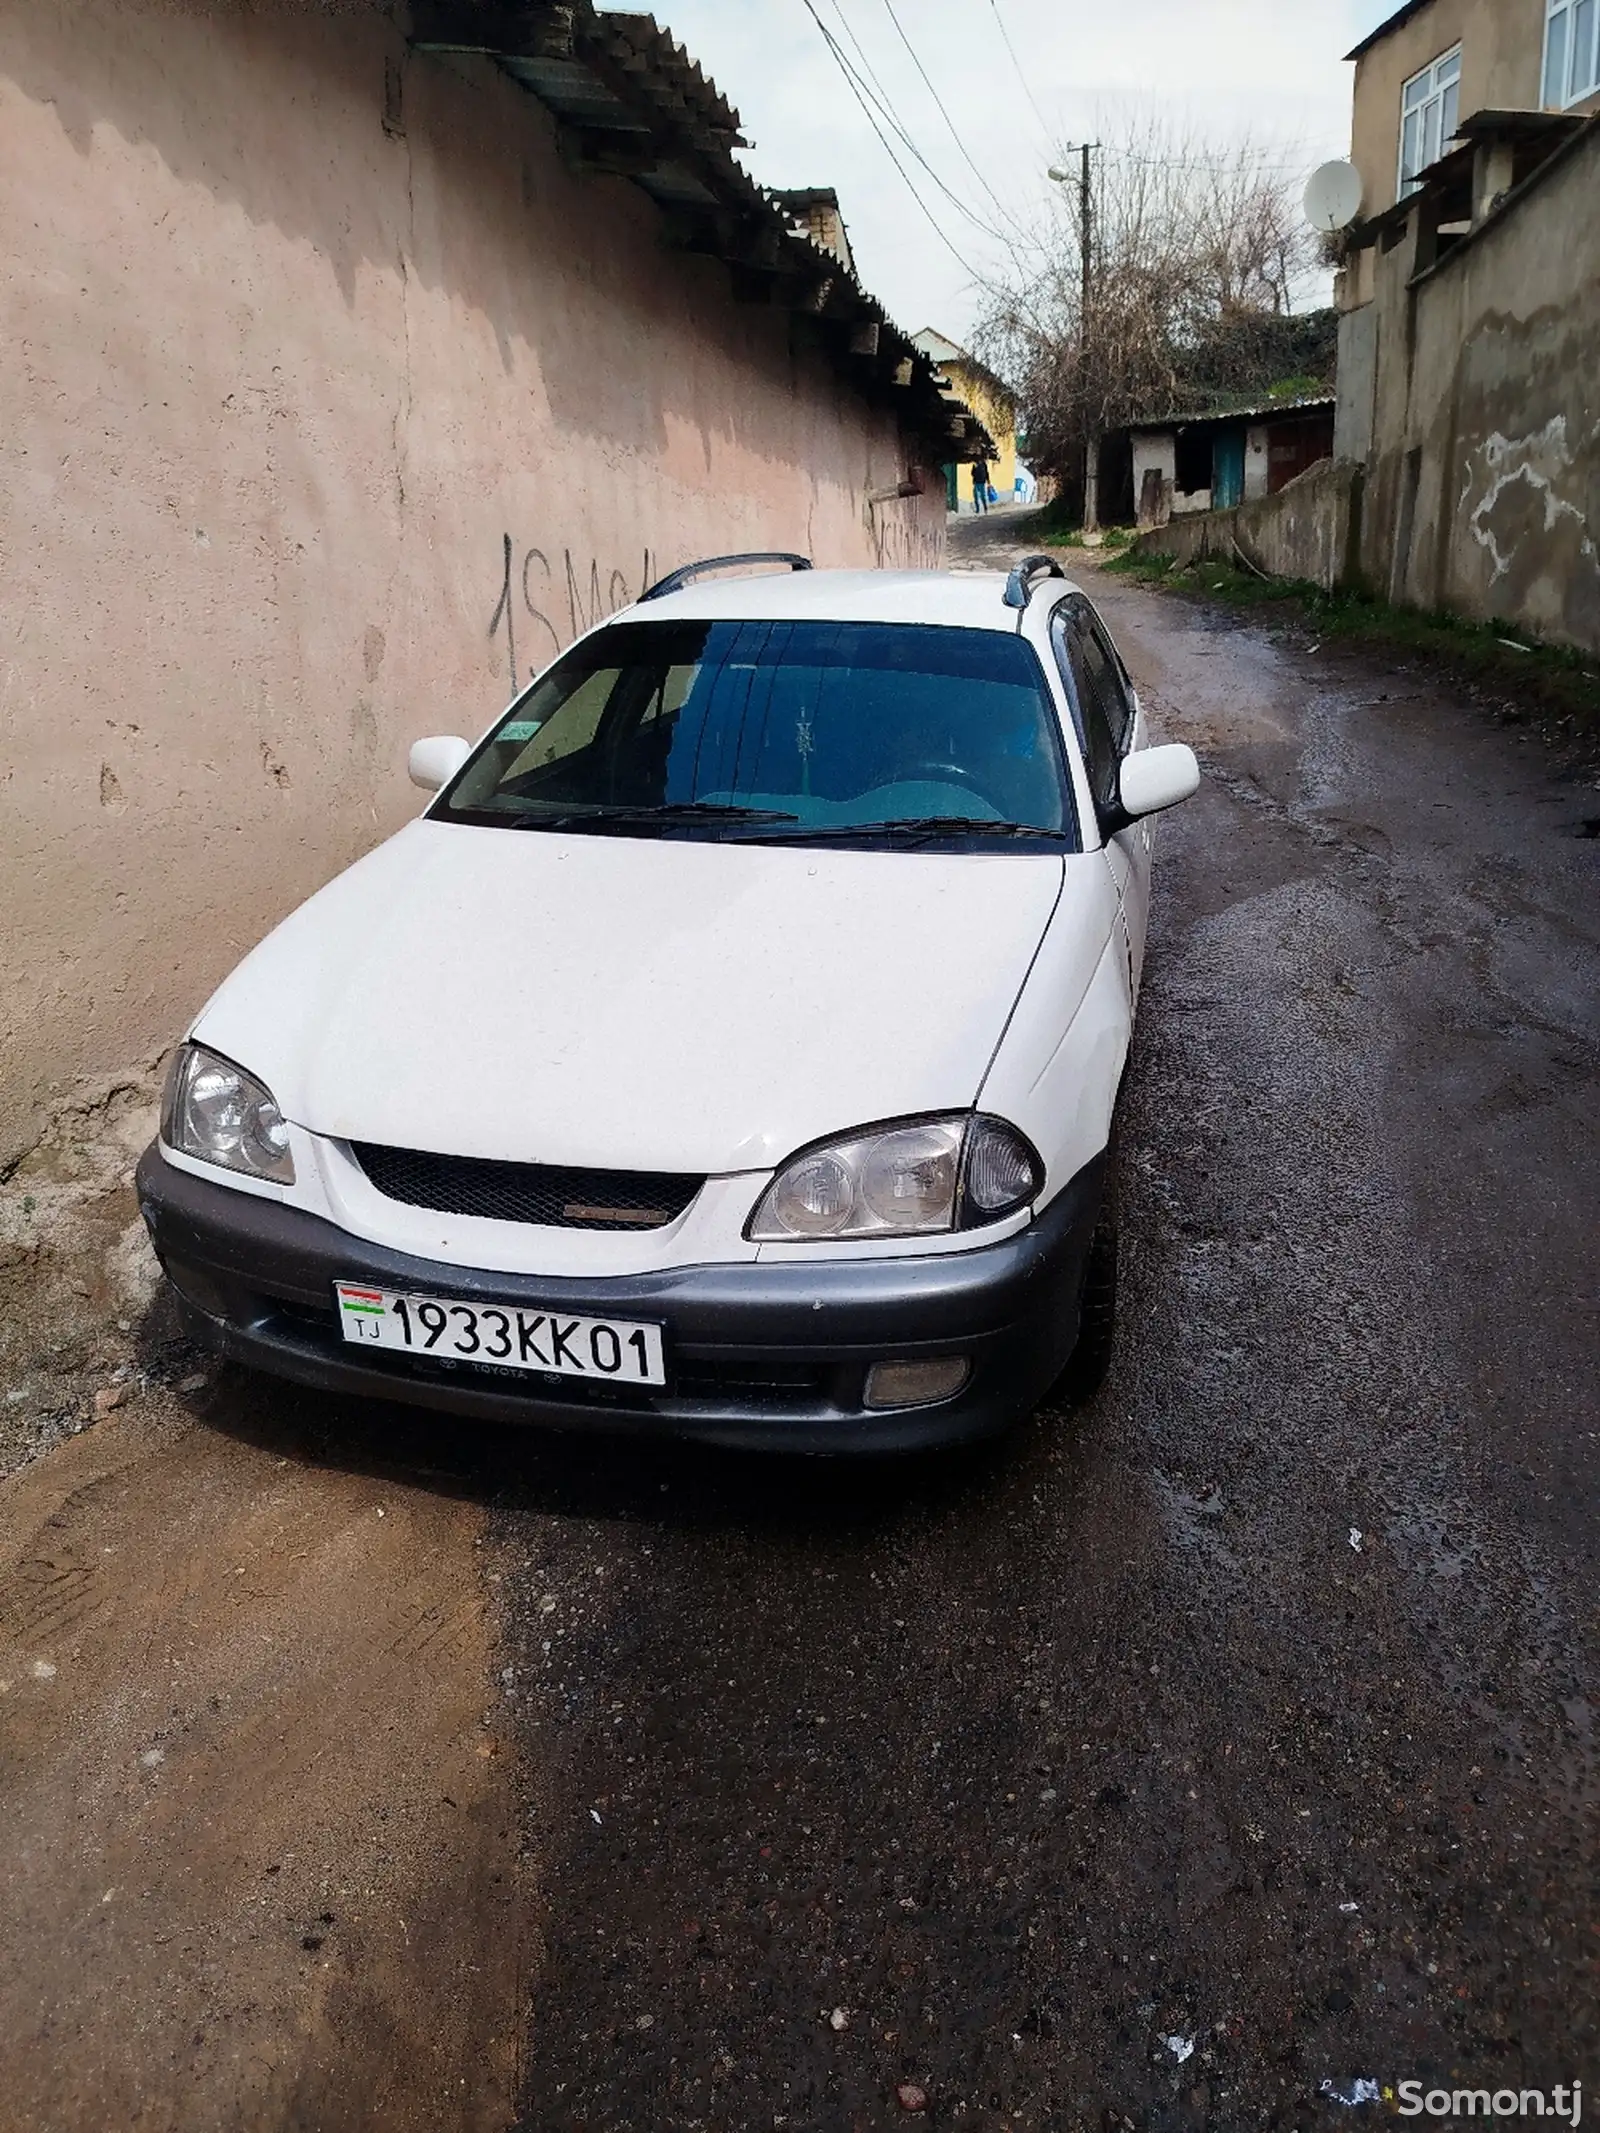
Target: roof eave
x,y
629,102
1386,28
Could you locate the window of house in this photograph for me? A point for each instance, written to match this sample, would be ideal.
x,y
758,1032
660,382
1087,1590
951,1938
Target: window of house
x,y
1571,52
1429,103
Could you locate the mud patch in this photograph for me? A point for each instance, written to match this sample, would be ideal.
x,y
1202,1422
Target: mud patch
x,y
77,1275
262,1854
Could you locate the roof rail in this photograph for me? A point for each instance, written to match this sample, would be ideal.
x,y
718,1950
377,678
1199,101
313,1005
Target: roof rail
x,y
675,580
1020,583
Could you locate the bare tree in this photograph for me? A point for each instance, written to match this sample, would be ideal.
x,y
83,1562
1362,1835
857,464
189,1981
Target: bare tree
x,y
1190,251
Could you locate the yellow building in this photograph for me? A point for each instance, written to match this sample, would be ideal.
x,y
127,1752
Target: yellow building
x,y
993,404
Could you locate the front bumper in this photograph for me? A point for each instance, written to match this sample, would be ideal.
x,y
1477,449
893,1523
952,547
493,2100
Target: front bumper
x,y
757,1353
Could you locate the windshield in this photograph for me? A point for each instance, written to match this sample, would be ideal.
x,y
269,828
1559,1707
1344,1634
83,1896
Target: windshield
x,y
781,730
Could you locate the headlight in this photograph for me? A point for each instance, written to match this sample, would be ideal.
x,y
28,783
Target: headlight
x,y
910,1180
217,1112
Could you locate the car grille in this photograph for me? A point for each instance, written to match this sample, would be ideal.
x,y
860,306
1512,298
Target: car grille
x,y
544,1193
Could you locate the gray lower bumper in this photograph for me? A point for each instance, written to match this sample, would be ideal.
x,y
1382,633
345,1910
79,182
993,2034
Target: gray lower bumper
x,y
757,1353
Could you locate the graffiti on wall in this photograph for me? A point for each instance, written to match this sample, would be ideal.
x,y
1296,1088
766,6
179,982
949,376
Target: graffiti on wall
x,y
546,599
902,538
544,603
1530,550
1521,479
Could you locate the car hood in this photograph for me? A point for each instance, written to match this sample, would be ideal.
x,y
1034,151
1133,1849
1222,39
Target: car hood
x,y
632,1003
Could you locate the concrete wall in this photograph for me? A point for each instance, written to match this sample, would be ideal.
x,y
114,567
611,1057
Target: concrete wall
x,y
1483,489
1307,531
1477,385
331,405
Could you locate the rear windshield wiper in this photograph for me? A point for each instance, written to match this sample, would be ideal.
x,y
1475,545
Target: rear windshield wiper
x,y
922,829
668,813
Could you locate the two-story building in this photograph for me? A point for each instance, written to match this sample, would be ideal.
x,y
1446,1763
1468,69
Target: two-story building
x,y
1432,62
1469,348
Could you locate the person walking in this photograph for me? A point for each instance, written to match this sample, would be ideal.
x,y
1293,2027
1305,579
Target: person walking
x,y
980,485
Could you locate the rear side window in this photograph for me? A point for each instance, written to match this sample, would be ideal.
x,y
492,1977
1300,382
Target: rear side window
x,y
1100,706
1103,670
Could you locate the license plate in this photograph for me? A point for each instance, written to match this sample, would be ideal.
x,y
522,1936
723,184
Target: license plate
x,y
612,1351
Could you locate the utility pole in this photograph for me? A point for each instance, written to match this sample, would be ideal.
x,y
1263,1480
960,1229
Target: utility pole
x,y
1091,448
1091,445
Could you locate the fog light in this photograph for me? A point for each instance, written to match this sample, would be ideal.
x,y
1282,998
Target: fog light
x,y
916,1384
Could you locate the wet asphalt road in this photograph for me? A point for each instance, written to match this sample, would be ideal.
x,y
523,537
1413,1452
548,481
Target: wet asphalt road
x,y
1236,1733
1231,1736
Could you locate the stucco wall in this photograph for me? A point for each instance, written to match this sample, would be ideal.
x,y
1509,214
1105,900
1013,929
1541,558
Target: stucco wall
x,y
331,404
1483,490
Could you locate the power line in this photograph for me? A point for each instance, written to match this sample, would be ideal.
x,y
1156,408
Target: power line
x,y
1027,89
1179,162
955,133
897,125
860,49
856,91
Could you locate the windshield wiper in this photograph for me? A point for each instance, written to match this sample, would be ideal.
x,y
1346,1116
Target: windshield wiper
x,y
668,813
922,829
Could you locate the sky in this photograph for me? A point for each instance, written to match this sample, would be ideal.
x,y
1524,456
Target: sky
x,y
1218,73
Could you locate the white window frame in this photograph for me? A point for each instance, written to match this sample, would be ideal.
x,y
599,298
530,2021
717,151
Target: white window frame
x,y
1430,104
1570,70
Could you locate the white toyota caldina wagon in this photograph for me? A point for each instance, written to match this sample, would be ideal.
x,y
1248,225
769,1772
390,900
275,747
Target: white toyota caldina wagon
x,y
732,1047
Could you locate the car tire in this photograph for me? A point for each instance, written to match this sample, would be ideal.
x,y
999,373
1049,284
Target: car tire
x,y
1090,1359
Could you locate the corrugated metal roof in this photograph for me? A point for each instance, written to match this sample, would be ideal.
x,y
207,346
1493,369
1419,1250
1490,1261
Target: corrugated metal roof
x,y
1318,403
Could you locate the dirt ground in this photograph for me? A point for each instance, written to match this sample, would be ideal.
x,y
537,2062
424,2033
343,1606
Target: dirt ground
x,y
262,1857
1228,1739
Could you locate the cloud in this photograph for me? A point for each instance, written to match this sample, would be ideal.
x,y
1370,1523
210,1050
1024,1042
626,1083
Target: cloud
x,y
1221,71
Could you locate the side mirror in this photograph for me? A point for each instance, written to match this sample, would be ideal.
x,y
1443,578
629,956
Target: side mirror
x,y
434,762
1154,778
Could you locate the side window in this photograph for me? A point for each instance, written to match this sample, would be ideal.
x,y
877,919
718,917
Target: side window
x,y
1061,623
1109,680
1087,673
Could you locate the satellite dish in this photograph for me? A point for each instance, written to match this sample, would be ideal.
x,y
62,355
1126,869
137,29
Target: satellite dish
x,y
1333,196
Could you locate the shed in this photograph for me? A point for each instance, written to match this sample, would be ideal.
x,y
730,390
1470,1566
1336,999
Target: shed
x,y
1211,458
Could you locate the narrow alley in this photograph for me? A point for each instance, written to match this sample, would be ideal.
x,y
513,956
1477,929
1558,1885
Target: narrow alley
x,y
1178,1763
